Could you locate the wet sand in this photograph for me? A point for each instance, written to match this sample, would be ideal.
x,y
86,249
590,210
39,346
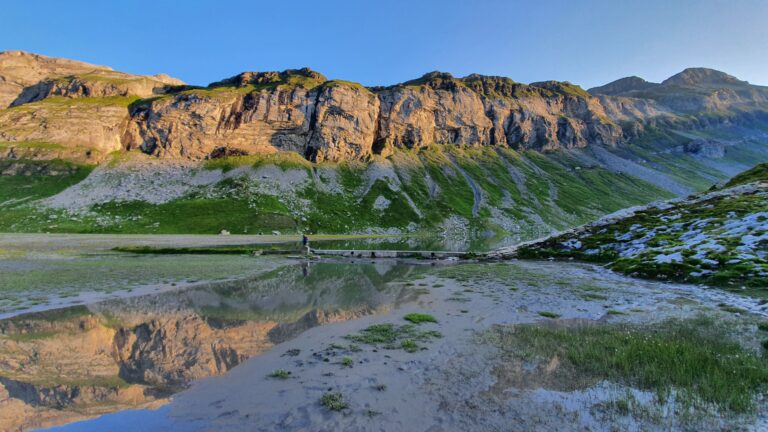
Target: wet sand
x,y
453,383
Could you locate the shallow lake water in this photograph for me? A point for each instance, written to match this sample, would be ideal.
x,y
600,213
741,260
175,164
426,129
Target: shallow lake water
x,y
165,342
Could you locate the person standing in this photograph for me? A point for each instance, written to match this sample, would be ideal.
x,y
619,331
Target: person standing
x,y
305,243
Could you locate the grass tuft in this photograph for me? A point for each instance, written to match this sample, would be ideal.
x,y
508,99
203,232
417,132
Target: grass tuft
x,y
280,373
334,401
419,318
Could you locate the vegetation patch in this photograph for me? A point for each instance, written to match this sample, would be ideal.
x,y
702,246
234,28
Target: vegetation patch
x,y
732,309
334,401
391,336
280,374
696,358
419,318
718,239
757,173
422,189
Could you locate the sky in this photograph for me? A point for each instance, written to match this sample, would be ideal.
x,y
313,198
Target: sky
x,y
586,42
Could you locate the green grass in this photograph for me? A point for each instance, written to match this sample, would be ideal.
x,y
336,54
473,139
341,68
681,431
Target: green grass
x,y
696,358
287,247
64,102
280,374
391,336
236,206
409,345
758,173
36,186
36,145
283,160
732,309
334,401
547,314
419,318
32,336
347,361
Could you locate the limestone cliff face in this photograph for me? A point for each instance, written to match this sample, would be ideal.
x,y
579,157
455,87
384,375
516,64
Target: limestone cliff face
x,y
335,121
75,129
97,84
19,69
345,123
480,110
54,108
329,120
438,111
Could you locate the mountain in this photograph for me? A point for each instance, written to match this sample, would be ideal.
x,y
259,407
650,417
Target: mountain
x,y
623,86
86,148
692,91
718,238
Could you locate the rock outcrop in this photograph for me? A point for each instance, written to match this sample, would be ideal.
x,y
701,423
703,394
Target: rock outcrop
x,y
297,110
61,128
63,109
98,84
19,69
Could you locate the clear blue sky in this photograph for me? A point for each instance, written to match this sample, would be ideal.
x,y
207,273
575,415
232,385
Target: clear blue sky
x,y
588,42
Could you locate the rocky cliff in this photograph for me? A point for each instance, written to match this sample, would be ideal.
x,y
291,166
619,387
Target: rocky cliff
x,y
63,109
301,111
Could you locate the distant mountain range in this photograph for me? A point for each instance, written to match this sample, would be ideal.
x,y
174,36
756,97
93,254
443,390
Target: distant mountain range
x,y
486,151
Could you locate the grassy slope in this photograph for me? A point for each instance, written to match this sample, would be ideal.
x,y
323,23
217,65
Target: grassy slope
x,y
712,240
758,173
23,188
557,193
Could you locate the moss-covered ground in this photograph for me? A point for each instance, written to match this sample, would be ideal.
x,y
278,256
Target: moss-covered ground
x,y
718,239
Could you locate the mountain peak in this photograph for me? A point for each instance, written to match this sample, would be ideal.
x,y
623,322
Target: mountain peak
x,y
703,77
622,85
262,78
435,80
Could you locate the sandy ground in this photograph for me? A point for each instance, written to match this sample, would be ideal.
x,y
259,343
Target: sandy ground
x,y
457,382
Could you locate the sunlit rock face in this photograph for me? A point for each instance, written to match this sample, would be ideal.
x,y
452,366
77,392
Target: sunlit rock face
x,y
56,108
301,111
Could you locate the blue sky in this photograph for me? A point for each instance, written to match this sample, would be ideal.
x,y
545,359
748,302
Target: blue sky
x,y
587,42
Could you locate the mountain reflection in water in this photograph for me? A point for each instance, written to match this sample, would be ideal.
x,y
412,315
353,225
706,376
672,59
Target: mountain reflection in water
x,y
67,364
